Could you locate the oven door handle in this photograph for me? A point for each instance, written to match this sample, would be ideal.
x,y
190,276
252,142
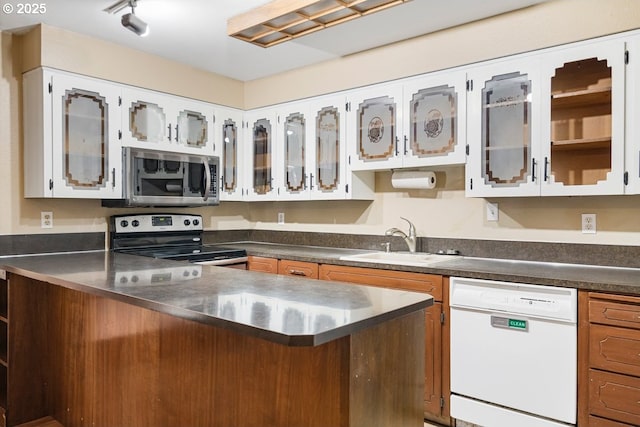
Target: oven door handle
x,y
226,261
207,179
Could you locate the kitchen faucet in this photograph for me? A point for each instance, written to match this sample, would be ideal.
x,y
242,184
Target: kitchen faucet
x,y
410,240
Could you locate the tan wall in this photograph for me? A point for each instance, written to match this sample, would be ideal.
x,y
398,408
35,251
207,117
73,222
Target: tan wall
x,y
443,212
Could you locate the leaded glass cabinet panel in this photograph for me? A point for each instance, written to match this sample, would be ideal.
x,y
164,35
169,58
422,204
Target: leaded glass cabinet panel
x,y
584,119
192,129
229,176
327,145
261,142
147,121
294,153
502,129
506,130
375,124
86,149
435,119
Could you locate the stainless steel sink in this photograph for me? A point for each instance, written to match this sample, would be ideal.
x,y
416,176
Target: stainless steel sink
x,y
419,259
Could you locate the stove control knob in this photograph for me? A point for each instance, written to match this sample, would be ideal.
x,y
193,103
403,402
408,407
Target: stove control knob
x,y
124,223
135,223
196,221
188,223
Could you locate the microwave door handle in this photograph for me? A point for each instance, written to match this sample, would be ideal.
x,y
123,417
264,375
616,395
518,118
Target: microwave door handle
x,y
207,180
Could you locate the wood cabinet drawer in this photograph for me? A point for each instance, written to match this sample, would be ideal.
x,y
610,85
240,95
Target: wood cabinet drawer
x,y
614,396
265,265
614,349
614,313
601,422
298,268
419,282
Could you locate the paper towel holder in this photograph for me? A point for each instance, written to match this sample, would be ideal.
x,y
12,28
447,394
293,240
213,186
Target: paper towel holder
x,y
413,179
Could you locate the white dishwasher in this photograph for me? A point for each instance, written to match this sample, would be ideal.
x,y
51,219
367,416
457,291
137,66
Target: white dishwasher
x,y
513,354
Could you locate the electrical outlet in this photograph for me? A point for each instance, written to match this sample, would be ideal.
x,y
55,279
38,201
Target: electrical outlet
x,y
492,211
589,223
280,218
46,219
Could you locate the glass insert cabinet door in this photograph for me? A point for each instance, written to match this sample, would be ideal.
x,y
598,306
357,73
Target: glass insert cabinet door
x,y
502,130
327,171
262,156
376,122
191,129
147,121
230,156
294,153
86,121
584,120
506,130
433,129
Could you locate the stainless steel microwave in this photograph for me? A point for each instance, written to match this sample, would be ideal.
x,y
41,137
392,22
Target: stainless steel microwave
x,y
162,178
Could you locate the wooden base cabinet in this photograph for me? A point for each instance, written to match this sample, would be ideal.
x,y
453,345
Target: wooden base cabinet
x,y
436,393
609,349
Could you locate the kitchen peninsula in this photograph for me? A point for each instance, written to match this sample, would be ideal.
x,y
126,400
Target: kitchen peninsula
x,y
105,339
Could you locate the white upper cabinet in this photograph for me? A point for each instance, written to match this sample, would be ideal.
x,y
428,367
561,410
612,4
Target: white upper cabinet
x,y
583,119
434,119
293,138
632,125
327,148
502,140
71,127
228,129
260,156
165,122
548,123
374,127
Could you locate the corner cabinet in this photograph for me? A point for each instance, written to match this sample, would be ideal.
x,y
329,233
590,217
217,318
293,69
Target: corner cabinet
x,y
165,122
548,123
71,136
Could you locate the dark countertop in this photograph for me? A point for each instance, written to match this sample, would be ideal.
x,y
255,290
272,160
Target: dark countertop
x,y
288,310
589,277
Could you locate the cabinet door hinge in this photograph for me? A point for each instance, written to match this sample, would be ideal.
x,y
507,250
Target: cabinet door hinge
x,y
470,183
442,317
119,101
467,149
441,401
469,85
626,56
625,178
346,188
214,118
119,134
51,184
50,87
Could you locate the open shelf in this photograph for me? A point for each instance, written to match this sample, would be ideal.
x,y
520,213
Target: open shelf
x,y
582,98
582,144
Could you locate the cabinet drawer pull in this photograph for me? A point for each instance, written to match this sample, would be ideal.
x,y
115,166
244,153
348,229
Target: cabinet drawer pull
x,y
297,273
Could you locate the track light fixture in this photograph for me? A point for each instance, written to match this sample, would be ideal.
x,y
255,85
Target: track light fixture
x,y
130,20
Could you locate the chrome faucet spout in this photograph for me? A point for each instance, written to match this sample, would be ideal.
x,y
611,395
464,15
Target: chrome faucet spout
x,y
410,239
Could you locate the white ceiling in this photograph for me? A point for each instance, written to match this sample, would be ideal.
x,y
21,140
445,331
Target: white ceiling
x,y
194,31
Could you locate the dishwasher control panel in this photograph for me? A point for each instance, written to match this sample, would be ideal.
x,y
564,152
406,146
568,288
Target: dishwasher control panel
x,y
520,298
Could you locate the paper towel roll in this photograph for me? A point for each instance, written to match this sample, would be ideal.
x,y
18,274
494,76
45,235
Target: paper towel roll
x,y
413,179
